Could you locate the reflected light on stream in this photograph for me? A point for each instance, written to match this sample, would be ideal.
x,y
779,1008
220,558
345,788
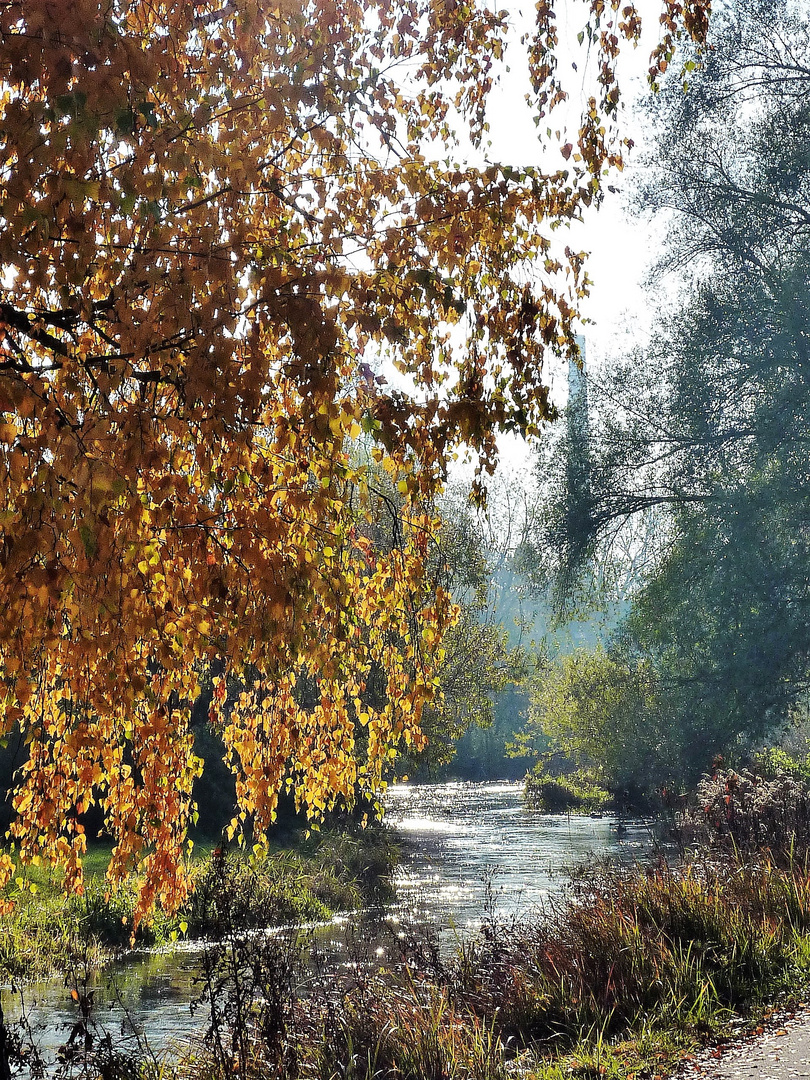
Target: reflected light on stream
x,y
468,850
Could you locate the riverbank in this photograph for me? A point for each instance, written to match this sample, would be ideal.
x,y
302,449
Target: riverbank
x,y
634,971
626,978
310,880
619,973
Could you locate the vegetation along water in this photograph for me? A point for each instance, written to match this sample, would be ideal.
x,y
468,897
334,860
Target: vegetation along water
x,y
627,967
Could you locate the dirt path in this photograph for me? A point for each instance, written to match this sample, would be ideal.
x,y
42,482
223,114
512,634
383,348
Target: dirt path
x,y
780,1052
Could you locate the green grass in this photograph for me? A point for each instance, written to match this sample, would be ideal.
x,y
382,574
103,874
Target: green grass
x,y
47,929
633,970
576,792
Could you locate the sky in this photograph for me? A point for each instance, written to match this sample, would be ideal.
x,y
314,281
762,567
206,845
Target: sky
x,y
620,243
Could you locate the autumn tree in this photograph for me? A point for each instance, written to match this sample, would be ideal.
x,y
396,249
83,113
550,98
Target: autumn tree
x,y
218,220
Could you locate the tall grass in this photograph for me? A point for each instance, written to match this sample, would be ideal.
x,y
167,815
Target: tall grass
x,y
633,968
678,947
46,929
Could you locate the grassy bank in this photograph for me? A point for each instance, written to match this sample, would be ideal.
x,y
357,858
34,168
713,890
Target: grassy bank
x,y
631,972
632,969
635,968
310,882
572,793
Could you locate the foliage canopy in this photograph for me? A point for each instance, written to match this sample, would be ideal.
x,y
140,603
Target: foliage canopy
x,y
216,219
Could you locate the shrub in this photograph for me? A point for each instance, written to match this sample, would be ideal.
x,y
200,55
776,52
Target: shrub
x,y
750,813
577,791
366,857
234,893
628,954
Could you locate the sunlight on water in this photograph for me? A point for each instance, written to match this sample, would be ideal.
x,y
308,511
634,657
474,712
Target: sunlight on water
x,y
428,825
468,850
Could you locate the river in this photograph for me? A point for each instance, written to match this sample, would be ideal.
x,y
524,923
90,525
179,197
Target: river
x,y
467,850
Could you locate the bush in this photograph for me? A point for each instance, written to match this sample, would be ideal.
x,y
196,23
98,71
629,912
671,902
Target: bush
x,y
234,893
774,760
749,813
645,955
577,791
365,857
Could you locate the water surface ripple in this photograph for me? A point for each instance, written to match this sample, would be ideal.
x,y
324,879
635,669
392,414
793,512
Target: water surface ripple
x,y
470,847
466,847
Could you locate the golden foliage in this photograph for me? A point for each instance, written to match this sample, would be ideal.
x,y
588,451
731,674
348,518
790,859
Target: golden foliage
x,y
215,218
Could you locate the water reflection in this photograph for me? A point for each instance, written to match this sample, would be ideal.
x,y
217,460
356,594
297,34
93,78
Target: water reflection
x,y
147,992
471,847
466,848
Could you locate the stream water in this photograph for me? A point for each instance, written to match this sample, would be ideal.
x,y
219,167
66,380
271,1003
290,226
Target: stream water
x,y
467,850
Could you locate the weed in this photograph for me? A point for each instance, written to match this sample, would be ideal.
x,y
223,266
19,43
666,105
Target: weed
x,y
578,792
46,928
749,812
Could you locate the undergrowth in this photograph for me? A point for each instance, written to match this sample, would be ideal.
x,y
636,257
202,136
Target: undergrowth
x,y
634,969
578,792
45,929
751,811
